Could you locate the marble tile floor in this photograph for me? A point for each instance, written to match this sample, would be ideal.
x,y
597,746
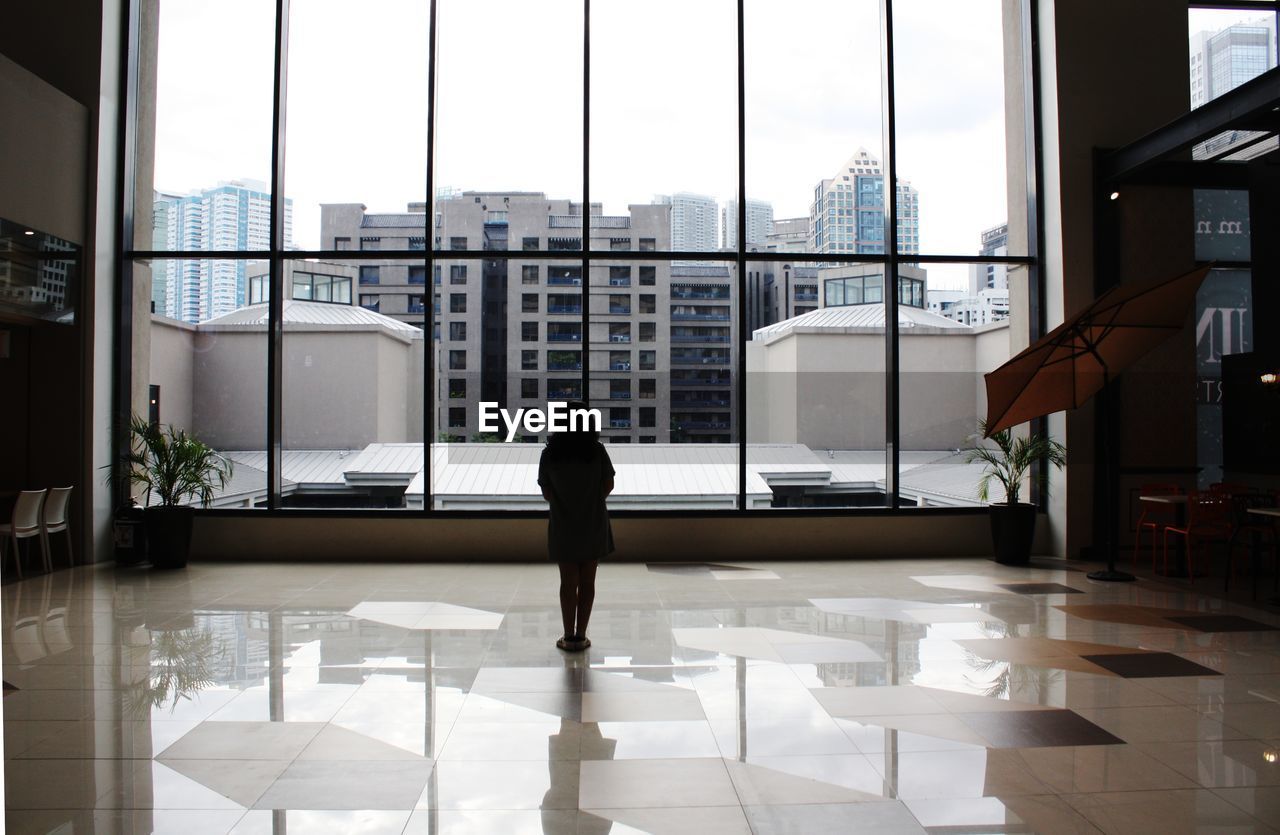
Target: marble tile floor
x,y
874,696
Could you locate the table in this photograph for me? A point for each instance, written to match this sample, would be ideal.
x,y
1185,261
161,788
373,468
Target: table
x,y
1271,513
1178,501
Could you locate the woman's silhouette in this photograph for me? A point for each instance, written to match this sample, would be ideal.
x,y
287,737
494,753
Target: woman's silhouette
x,y
576,476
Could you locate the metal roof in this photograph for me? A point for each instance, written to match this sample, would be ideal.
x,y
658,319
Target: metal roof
x,y
857,318
315,316
496,476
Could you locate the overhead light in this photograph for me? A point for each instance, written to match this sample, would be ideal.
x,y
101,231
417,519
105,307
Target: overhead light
x,y
28,232
1269,378
1115,195
1270,756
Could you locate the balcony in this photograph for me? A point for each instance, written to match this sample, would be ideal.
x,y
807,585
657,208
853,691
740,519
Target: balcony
x,y
619,366
705,403
681,337
565,281
619,423
564,366
619,337
565,308
675,360
619,395
619,282
806,297
699,317
709,383
619,309
703,424
564,337
700,294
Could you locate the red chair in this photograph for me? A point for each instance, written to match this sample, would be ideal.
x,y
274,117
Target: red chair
x,y
1208,521
1154,517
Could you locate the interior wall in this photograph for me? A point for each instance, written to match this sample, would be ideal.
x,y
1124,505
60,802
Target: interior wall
x,y
1101,92
773,537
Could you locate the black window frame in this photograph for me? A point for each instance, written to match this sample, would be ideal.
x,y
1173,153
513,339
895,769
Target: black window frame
x,y
279,257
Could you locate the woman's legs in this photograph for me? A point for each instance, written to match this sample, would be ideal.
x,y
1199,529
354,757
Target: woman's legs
x,y
569,579
586,595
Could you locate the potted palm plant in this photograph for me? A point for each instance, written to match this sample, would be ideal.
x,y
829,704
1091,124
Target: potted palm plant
x,y
1013,524
175,468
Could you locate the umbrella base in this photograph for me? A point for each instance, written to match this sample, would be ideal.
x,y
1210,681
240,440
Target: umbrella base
x,y
1111,575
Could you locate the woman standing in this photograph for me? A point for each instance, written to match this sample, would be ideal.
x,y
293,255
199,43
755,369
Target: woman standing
x,y
576,476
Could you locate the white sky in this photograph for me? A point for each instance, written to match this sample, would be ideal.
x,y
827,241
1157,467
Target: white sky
x,y
664,102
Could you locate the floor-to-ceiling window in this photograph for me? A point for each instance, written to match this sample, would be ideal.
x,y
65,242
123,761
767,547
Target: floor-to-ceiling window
x,y
774,246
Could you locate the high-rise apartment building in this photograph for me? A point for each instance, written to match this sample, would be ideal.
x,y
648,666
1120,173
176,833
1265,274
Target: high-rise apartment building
x,y
1223,60
232,216
847,213
759,223
661,342
693,221
987,298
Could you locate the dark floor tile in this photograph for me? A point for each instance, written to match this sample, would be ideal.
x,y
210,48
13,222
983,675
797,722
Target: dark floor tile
x,y
1037,729
692,567
1039,588
679,567
1222,623
1149,665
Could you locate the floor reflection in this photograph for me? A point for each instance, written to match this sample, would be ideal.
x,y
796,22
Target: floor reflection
x,y
819,697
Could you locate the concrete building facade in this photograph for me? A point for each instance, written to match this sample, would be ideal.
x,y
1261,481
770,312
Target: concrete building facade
x,y
693,221
661,344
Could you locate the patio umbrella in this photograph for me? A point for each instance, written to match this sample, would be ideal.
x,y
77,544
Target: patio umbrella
x,y
1078,358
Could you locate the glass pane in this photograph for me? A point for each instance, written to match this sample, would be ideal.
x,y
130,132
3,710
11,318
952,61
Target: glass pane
x,y
811,115
816,384
39,274
508,335
509,105
665,127
357,120
962,331
1226,48
664,369
205,160
210,378
955,90
354,370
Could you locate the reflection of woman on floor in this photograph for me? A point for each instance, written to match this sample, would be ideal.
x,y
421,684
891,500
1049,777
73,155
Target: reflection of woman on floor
x,y
573,743
576,476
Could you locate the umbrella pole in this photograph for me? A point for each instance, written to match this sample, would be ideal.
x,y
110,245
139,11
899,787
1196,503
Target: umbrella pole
x,y
1109,574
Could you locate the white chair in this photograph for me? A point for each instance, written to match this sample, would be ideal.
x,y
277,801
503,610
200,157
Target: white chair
x,y
54,520
25,523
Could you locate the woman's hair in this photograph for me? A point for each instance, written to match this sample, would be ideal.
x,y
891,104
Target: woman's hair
x,y
579,443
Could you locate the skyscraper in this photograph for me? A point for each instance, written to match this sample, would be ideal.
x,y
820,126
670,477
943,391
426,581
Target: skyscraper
x,y
693,221
1221,61
759,223
232,216
847,213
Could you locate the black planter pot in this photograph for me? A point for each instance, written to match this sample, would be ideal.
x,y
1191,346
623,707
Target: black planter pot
x,y
1013,527
169,535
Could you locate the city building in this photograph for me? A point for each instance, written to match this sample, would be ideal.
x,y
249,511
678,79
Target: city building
x,y
1218,62
661,342
789,235
693,221
778,290
987,298
846,216
759,223
232,216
